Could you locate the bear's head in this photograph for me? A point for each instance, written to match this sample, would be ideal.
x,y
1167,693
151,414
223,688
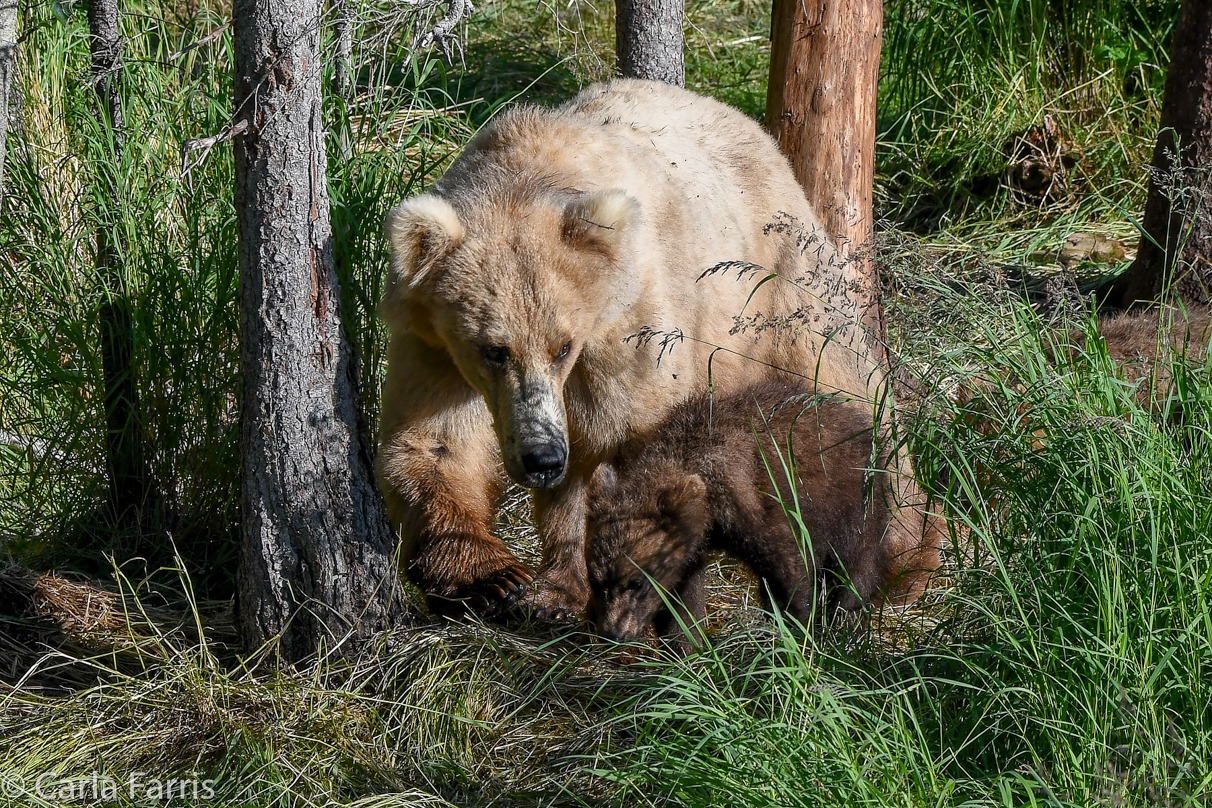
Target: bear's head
x,y
514,289
642,540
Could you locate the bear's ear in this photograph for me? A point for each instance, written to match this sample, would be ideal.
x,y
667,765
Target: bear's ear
x,y
604,481
683,508
599,221
685,502
420,231
603,486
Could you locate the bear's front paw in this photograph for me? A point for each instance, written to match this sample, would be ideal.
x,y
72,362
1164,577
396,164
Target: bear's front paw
x,y
551,601
493,595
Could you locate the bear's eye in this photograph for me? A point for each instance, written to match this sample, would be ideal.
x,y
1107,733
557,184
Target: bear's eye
x,y
495,355
635,585
564,351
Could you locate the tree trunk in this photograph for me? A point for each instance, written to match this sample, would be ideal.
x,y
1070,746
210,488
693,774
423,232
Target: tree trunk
x,y
820,107
648,36
316,561
343,78
130,485
1177,242
8,63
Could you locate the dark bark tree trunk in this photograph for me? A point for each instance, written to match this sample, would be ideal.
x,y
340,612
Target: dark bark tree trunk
x,y
343,78
130,484
316,561
8,63
1177,242
649,40
820,107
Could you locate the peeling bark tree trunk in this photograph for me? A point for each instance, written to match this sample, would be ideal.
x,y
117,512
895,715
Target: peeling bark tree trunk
x,y
649,40
8,63
1181,226
130,485
820,107
316,549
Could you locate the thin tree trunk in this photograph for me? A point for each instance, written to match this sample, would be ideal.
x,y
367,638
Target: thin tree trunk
x,y
343,78
820,107
1177,243
649,40
8,63
130,488
316,550
346,90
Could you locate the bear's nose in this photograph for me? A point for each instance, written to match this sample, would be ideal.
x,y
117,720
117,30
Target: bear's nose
x,y
544,459
607,630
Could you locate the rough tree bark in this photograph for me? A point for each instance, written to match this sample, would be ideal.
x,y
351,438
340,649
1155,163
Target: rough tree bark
x,y
343,79
1181,227
649,40
820,107
8,62
316,561
130,484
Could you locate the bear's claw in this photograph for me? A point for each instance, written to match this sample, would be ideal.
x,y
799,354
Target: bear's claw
x,y
549,601
498,593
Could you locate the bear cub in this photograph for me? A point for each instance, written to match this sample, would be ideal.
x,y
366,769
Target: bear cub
x,y
711,478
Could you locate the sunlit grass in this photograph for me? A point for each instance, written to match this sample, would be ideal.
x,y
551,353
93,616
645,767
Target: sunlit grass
x,y
1065,656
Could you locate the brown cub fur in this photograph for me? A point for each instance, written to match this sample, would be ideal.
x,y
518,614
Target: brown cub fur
x,y
700,482
1142,343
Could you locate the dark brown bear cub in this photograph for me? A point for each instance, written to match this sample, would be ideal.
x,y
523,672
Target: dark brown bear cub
x,y
703,481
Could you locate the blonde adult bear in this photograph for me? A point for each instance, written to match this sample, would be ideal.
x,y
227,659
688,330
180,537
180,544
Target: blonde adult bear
x,y
548,300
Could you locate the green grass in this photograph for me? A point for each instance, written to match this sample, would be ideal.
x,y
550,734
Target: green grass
x,y
961,79
1065,659
1068,661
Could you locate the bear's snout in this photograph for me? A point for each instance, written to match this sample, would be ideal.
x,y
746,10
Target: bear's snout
x,y
544,459
609,627
532,428
612,636
544,465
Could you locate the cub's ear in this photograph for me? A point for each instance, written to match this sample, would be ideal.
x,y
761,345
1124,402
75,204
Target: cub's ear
x,y
685,502
420,231
603,484
599,221
605,479
683,508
